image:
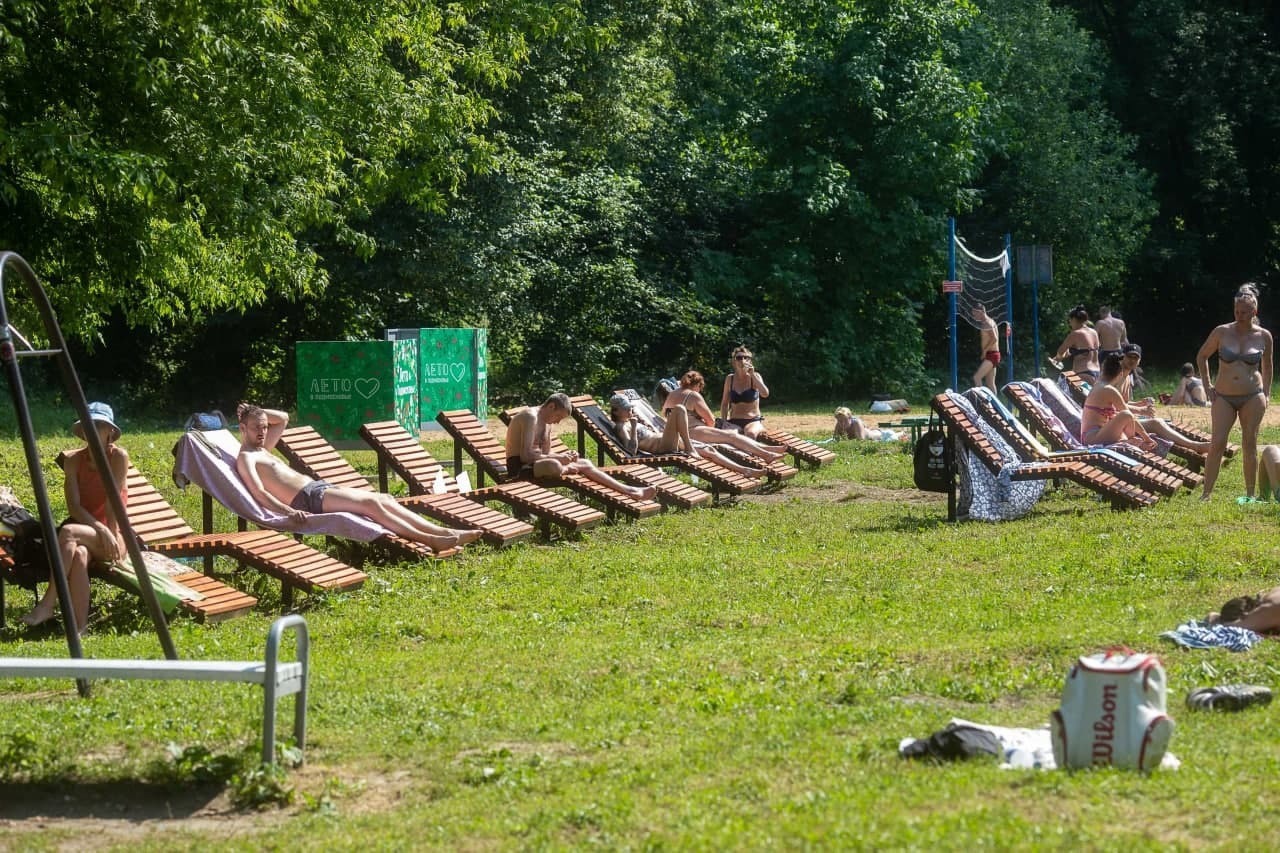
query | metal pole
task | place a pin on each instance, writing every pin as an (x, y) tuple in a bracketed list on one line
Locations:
[(1035, 310), (951, 303), (1008, 296)]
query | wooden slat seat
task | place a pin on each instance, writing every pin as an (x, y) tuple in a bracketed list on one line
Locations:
[(472, 437), (400, 451), (307, 451), (611, 499), (1041, 419), (1029, 449), (293, 563), (1120, 493), (593, 421), (670, 491), (800, 449), (775, 471), (1080, 390)]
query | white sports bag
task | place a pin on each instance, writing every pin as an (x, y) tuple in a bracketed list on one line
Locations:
[(1113, 712)]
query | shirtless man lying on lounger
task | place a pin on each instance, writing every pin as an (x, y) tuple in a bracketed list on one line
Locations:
[(528, 440), (282, 489)]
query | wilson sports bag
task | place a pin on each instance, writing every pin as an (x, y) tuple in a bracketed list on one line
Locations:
[(1112, 713)]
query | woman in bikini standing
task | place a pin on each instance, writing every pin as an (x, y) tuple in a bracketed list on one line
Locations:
[(1081, 345), (1105, 418), (743, 390), (1242, 388)]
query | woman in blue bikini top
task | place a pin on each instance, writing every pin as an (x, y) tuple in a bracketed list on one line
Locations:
[(743, 390), (1242, 388)]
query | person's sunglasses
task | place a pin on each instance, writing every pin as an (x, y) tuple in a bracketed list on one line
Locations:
[(743, 357)]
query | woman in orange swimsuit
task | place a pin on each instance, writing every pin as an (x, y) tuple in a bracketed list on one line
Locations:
[(1242, 389), (92, 532), (1106, 419)]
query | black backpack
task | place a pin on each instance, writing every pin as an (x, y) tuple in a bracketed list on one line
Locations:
[(30, 560), (933, 471)]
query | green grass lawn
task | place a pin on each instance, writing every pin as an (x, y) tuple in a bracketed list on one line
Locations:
[(732, 677)]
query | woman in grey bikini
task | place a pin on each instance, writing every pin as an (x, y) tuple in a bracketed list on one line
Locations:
[(1242, 388)]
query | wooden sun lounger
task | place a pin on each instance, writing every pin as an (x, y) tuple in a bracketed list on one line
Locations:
[(402, 548), (308, 452), (1080, 390), (775, 471), (295, 564), (961, 427), (670, 491), (613, 501), (153, 520), (1024, 444), (1041, 420), (525, 498), (593, 421), (800, 449)]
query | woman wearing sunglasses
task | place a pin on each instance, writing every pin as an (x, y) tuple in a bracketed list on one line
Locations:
[(743, 390)]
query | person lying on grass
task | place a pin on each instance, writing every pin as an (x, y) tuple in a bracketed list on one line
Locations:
[(636, 437), (529, 449), (1260, 613), (92, 533), (849, 425), (280, 488)]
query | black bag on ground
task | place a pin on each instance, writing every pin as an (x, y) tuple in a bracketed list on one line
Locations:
[(932, 473), (30, 560)]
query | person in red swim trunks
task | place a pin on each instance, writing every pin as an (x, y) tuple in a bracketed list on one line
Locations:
[(989, 344)]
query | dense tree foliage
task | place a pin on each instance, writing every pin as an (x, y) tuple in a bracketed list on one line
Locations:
[(1198, 83), (618, 190)]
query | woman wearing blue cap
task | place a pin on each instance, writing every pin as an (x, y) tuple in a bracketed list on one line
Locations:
[(92, 532)]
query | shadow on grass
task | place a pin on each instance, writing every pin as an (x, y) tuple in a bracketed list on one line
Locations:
[(920, 524), (115, 800)]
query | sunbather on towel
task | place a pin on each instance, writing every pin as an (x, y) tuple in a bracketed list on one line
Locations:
[(529, 455), (284, 490), (1260, 613), (636, 437), (92, 532)]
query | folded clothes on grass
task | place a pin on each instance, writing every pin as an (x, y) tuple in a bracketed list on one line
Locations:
[(1202, 635)]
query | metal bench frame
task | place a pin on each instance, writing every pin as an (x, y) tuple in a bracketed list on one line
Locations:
[(277, 679)]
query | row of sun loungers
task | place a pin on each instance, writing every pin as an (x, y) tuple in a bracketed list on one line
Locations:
[(275, 549), (1011, 448)]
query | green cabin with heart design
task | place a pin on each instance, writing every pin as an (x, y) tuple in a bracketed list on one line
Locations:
[(343, 384), (453, 371)]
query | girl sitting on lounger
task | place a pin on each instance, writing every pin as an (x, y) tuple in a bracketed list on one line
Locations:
[(636, 437), (702, 422), (1105, 418), (92, 532)]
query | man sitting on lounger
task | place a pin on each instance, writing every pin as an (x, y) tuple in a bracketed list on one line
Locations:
[(282, 489), (528, 454)]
